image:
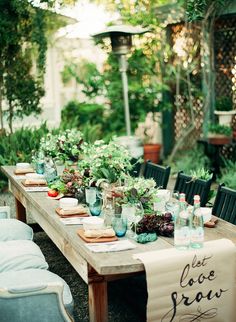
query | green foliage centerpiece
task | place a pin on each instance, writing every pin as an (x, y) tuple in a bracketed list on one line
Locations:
[(105, 163), (65, 146)]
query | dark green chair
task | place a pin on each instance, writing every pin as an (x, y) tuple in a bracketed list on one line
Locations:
[(157, 172), (190, 186), (224, 205)]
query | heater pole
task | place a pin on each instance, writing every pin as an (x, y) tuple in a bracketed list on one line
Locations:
[(123, 70)]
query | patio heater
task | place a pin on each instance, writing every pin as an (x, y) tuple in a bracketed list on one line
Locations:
[(121, 42)]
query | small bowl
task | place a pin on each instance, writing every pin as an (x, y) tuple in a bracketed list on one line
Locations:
[(23, 165), (34, 176), (93, 223), (68, 202), (206, 213)]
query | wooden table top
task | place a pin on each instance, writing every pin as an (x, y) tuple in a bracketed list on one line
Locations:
[(65, 237)]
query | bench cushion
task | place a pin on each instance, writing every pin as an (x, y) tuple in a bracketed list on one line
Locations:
[(20, 254), (13, 229)]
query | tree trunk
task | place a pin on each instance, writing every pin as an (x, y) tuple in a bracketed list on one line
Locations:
[(1, 110), (10, 116)]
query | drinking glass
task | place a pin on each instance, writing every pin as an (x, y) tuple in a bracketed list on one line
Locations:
[(139, 212), (128, 211), (172, 205), (90, 195), (94, 200), (119, 224)]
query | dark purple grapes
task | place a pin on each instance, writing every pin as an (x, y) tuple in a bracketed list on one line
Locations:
[(160, 224)]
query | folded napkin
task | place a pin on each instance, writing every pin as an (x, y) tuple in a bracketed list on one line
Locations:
[(23, 171), (110, 246), (79, 210), (72, 220), (97, 233), (35, 182), (36, 188)]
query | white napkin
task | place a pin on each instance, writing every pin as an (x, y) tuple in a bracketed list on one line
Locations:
[(19, 177), (115, 246), (36, 189), (72, 221)]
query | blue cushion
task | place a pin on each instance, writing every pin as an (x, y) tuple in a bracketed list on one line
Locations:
[(5, 212), (20, 254), (36, 277), (13, 229)]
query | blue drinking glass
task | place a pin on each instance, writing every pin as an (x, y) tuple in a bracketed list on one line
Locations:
[(95, 208), (119, 224)]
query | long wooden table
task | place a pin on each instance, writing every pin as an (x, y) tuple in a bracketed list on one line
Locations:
[(96, 269)]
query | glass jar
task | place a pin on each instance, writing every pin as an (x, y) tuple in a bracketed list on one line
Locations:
[(50, 170), (108, 211)]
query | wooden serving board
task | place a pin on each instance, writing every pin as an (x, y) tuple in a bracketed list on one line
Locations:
[(33, 185), (22, 172), (80, 232), (58, 211)]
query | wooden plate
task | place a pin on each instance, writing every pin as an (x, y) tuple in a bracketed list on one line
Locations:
[(71, 215), (22, 172), (80, 232), (33, 185)]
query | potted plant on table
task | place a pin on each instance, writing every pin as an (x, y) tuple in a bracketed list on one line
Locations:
[(224, 110)]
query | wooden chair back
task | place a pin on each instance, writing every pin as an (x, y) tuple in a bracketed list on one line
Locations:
[(136, 170), (157, 172), (225, 204), (190, 186)]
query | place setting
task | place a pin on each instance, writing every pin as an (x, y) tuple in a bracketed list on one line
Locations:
[(70, 211), (99, 238)]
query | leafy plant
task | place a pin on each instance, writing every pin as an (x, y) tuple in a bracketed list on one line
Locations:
[(104, 162), (18, 146), (140, 190), (77, 114), (228, 174), (68, 183), (190, 160), (197, 9), (65, 146), (224, 103), (201, 173), (21, 32), (220, 129)]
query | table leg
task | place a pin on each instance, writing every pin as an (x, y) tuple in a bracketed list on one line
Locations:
[(20, 211), (97, 292)]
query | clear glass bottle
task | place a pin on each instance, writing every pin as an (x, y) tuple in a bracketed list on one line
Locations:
[(197, 225), (108, 211), (182, 225)]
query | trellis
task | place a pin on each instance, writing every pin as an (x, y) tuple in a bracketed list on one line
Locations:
[(225, 72)]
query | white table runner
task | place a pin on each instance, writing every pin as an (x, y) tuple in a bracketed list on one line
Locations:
[(194, 285)]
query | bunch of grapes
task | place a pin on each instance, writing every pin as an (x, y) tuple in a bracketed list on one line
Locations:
[(160, 224)]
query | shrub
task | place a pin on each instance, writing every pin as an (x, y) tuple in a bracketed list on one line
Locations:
[(18, 147), (228, 176), (76, 114), (190, 160)]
